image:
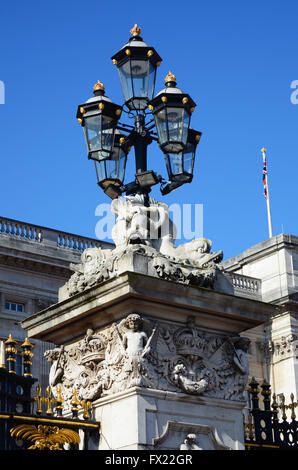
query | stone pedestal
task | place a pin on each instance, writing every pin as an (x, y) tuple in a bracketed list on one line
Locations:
[(158, 420), (178, 377)]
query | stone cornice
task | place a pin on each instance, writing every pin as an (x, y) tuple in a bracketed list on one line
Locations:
[(170, 299), (260, 250), (39, 266)]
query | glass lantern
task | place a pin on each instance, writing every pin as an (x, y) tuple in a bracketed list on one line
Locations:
[(110, 170), (99, 117), (137, 63), (172, 111), (180, 165)]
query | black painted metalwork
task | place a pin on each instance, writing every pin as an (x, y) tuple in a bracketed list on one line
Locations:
[(18, 407), (264, 428), (170, 126)]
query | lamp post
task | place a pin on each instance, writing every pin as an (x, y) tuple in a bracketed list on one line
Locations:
[(109, 141)]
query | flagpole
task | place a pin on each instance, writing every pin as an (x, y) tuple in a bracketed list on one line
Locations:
[(263, 150)]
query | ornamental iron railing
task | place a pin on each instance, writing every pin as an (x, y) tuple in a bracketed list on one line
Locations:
[(274, 425), (39, 422)]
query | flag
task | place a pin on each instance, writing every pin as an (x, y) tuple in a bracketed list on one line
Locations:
[(264, 178)]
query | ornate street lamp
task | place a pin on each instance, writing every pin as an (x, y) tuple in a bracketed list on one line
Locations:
[(99, 117), (109, 141), (137, 63)]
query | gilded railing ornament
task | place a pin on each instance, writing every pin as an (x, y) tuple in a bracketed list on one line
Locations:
[(292, 406), (45, 437), (11, 352), (38, 400), (59, 402), (86, 405), (27, 355), (75, 403), (49, 401), (249, 428)]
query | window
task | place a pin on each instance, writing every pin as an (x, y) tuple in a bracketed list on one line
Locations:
[(14, 307)]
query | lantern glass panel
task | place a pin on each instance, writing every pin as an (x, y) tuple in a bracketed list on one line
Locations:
[(161, 126), (99, 133), (178, 123), (176, 163), (137, 79), (188, 158), (125, 79), (111, 169)]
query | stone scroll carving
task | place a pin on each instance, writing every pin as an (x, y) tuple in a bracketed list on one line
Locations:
[(148, 231), (136, 352)]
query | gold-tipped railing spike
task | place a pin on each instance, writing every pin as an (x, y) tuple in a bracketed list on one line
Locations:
[(75, 403), (11, 352), (292, 407), (39, 400), (86, 405), (254, 392), (283, 406), (266, 393), (59, 402), (27, 355), (49, 401), (274, 407)]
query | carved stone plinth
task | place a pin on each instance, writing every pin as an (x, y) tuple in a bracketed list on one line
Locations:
[(136, 336)]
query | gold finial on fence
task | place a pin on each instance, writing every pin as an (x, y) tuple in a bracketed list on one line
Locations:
[(49, 401), (75, 403), (292, 406), (39, 400), (249, 428), (283, 406), (86, 405), (59, 401)]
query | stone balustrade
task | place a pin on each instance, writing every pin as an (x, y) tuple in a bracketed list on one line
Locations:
[(42, 235), (245, 285)]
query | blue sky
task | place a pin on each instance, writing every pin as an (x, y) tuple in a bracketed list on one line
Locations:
[(236, 59)]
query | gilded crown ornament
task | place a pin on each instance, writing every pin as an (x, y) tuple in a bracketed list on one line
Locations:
[(170, 77), (98, 86), (135, 31)]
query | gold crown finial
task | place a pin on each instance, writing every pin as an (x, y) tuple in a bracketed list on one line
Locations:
[(263, 150), (98, 86), (170, 77), (135, 31)]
